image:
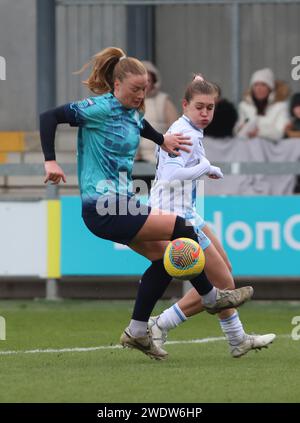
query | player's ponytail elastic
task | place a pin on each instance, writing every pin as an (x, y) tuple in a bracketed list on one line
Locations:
[(101, 79), (200, 85)]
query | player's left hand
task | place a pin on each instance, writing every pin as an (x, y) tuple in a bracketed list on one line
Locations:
[(215, 173), (175, 142), (253, 133)]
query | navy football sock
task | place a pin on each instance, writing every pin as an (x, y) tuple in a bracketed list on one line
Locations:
[(152, 286), (182, 229), (202, 284)]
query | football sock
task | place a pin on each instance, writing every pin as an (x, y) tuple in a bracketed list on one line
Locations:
[(183, 229), (137, 328), (233, 329), (210, 297), (171, 317), (152, 286), (204, 287)]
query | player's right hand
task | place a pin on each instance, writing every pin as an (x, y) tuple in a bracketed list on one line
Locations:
[(54, 173)]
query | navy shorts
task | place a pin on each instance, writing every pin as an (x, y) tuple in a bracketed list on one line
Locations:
[(117, 219)]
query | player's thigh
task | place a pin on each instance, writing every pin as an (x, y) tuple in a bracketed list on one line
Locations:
[(152, 250), (157, 227), (216, 269)]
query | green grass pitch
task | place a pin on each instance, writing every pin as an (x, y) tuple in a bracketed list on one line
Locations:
[(193, 373)]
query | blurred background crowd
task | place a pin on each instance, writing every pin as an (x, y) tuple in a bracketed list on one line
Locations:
[(249, 49)]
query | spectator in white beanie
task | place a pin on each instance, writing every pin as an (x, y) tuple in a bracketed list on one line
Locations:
[(265, 76), (263, 112)]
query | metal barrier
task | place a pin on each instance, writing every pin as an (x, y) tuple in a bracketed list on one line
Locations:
[(145, 170), (148, 169)]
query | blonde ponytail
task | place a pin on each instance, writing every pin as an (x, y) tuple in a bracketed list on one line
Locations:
[(107, 66)]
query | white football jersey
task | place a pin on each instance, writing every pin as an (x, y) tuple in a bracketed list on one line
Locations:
[(178, 196)]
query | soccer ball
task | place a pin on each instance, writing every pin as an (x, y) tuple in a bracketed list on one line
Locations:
[(184, 259)]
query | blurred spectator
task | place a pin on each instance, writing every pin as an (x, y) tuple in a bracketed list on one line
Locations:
[(160, 112), (224, 120), (263, 112), (293, 127)]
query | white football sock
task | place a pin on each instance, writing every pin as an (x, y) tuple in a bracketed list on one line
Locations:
[(210, 298), (171, 318), (233, 329), (138, 328)]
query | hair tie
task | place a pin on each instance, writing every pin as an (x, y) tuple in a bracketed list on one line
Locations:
[(198, 77), (122, 58)]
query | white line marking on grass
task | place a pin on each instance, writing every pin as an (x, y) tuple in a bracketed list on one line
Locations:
[(197, 341), (114, 347), (62, 350)]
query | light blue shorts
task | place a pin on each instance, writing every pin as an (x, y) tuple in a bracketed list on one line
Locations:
[(198, 223), (203, 240), (196, 220)]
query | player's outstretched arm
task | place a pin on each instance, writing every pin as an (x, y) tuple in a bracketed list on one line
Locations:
[(172, 172)]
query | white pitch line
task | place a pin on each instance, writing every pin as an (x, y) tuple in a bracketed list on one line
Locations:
[(62, 350), (114, 347), (197, 341)]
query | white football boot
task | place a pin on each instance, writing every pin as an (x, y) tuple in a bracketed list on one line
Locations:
[(144, 344), (251, 342), (159, 335)]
